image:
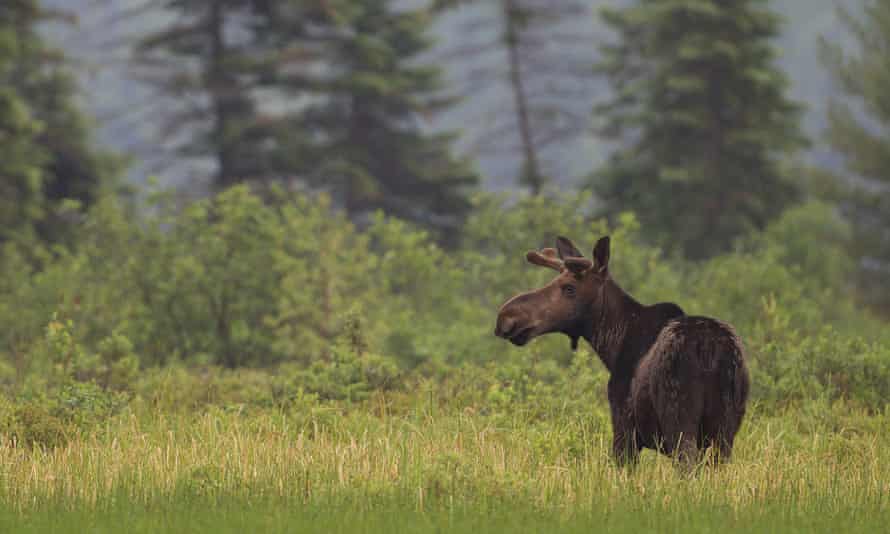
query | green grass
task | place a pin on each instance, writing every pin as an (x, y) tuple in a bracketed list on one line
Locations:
[(822, 469), (394, 515)]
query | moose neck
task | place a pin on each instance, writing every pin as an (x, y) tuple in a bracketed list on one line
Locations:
[(608, 327)]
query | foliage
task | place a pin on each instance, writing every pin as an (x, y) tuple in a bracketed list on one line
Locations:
[(215, 286), (22, 203), (365, 371), (857, 132), (327, 95), (374, 151), (701, 118), (825, 365), (291, 287), (30, 424), (348, 375), (49, 167), (74, 392), (205, 61), (325, 268)]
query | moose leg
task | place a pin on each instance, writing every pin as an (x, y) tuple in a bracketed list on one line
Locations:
[(625, 448), (680, 422), (681, 443), (723, 448), (687, 452), (719, 427), (723, 439)]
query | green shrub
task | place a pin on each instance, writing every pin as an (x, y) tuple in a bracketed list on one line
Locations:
[(826, 365), (293, 299), (349, 372), (85, 405), (32, 424)]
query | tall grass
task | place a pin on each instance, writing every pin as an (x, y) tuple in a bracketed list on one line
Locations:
[(796, 468)]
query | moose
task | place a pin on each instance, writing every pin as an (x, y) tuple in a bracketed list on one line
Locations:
[(678, 383)]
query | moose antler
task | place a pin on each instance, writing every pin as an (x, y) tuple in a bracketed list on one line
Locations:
[(545, 258)]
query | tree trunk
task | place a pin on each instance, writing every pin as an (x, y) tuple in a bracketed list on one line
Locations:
[(531, 169), (220, 93)]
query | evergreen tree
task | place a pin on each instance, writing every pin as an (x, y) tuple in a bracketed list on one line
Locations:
[(207, 62), (324, 93), (702, 119), (374, 95), (22, 204), (859, 130), (46, 156)]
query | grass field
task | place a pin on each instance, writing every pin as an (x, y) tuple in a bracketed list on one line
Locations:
[(274, 471), (281, 516)]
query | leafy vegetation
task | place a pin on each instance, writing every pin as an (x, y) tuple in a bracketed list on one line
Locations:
[(270, 352), (203, 62), (50, 170), (857, 131), (374, 150), (291, 285), (701, 112)]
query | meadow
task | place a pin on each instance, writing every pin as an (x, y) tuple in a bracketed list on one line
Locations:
[(252, 364), (432, 468)]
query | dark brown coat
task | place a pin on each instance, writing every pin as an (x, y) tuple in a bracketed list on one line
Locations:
[(678, 383)]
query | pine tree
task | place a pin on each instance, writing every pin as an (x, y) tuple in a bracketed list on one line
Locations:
[(206, 62), (22, 204), (46, 155), (374, 96), (702, 120), (859, 130)]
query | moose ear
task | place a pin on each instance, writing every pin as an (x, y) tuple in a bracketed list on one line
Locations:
[(578, 266), (567, 249), (601, 255)]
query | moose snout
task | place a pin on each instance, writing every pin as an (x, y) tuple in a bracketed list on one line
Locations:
[(509, 316), (515, 321), (514, 325)]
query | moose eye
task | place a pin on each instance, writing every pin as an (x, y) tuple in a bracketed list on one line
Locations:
[(568, 290)]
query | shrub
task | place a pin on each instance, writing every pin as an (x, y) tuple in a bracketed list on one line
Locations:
[(33, 425), (293, 299), (349, 372), (826, 365)]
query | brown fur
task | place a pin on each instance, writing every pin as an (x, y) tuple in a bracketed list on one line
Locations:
[(678, 383)]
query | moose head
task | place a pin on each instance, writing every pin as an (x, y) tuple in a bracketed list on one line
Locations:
[(568, 304)]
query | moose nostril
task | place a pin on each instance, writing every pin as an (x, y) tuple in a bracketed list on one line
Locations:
[(504, 327)]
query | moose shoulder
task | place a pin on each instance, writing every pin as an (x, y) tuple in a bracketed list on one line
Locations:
[(678, 383)]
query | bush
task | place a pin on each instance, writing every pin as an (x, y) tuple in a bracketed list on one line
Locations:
[(349, 372), (300, 301), (33, 425), (826, 365)]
